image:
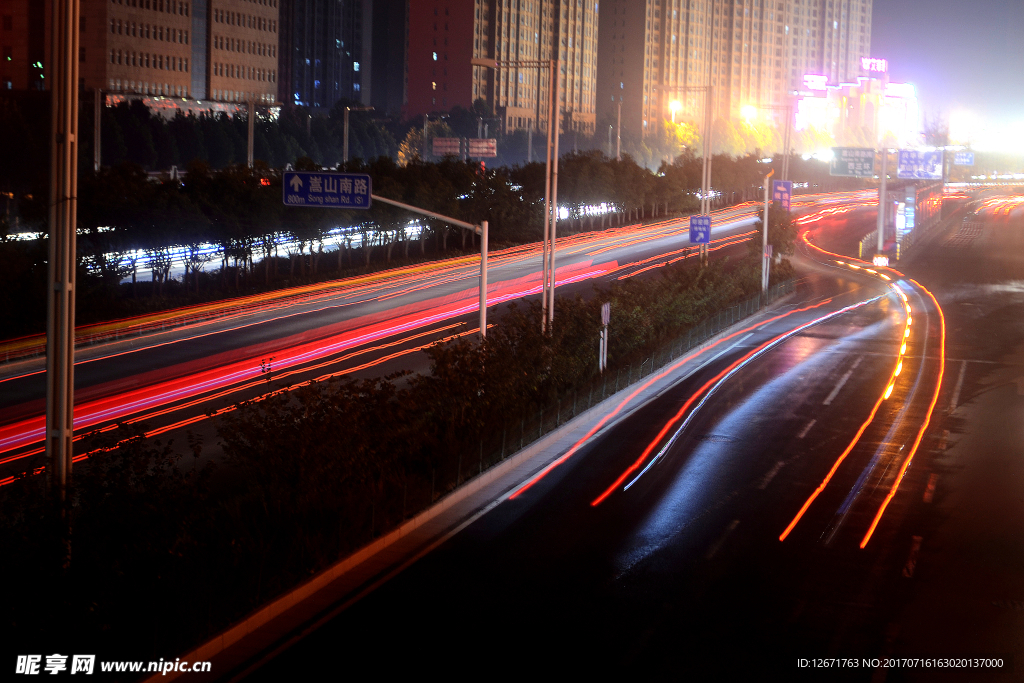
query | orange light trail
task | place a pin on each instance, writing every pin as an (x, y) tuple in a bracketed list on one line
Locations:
[(924, 426), (890, 384), (618, 408), (711, 382)]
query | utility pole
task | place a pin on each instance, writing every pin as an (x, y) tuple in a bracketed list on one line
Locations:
[(550, 173), (881, 201), (97, 114), (251, 129), (618, 133), (60, 295), (529, 143), (764, 241)]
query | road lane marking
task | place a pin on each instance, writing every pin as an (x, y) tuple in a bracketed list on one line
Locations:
[(924, 425), (718, 544), (915, 549), (807, 428), (842, 382), (710, 387), (771, 474), (666, 370), (929, 490), (959, 386)]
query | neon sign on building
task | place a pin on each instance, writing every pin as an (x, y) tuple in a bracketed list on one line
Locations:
[(874, 65)]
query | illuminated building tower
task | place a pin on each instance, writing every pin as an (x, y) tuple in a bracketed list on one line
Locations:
[(753, 52), (322, 52), (828, 37), (446, 34), (651, 51), (200, 49), (242, 43), (23, 46)]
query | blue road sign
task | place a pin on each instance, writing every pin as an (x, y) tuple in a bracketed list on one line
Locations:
[(919, 165), (700, 229), (963, 159), (782, 192), (327, 190)]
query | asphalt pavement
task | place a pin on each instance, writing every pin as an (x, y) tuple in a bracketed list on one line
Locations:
[(655, 550)]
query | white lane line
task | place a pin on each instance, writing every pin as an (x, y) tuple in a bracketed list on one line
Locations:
[(771, 475), (700, 367), (807, 428), (718, 544), (842, 381), (959, 386)]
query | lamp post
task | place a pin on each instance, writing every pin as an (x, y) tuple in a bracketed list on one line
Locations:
[(705, 181), (550, 174), (60, 295), (344, 155), (764, 240), (786, 135)]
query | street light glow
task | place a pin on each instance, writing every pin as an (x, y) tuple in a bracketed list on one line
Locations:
[(749, 112)]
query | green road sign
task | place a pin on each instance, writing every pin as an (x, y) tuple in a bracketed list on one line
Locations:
[(854, 162)]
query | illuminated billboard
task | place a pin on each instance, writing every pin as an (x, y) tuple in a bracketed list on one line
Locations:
[(815, 82), (874, 65)]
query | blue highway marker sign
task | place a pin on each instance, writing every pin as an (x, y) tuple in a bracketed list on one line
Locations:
[(327, 190), (963, 159), (782, 192), (700, 229), (919, 165)]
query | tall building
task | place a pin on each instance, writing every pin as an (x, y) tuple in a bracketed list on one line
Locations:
[(23, 46), (322, 51), (657, 55), (242, 50), (389, 46), (445, 35), (224, 50), (829, 38)]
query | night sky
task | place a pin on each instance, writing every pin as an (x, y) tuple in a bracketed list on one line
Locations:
[(961, 54)]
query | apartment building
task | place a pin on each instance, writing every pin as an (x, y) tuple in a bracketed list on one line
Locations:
[(445, 35), (658, 57), (325, 53), (224, 50), (242, 50)]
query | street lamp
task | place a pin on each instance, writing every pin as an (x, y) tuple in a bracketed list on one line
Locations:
[(748, 112), (705, 182), (787, 109), (674, 106), (550, 174)]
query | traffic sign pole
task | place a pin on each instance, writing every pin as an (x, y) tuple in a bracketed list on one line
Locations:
[(764, 240), (881, 201)]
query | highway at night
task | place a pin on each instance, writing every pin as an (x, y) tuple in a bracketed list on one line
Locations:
[(367, 326), (807, 488)]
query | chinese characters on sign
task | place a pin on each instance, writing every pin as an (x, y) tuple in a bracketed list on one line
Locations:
[(782, 192), (963, 159), (855, 162), (700, 229), (327, 190), (919, 165), (873, 64)]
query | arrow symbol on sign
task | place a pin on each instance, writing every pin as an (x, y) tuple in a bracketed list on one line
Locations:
[(296, 183)]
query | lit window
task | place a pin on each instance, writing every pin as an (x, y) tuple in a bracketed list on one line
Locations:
[(355, 66), (435, 56)]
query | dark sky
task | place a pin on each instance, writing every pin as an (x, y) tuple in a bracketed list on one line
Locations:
[(962, 54)]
